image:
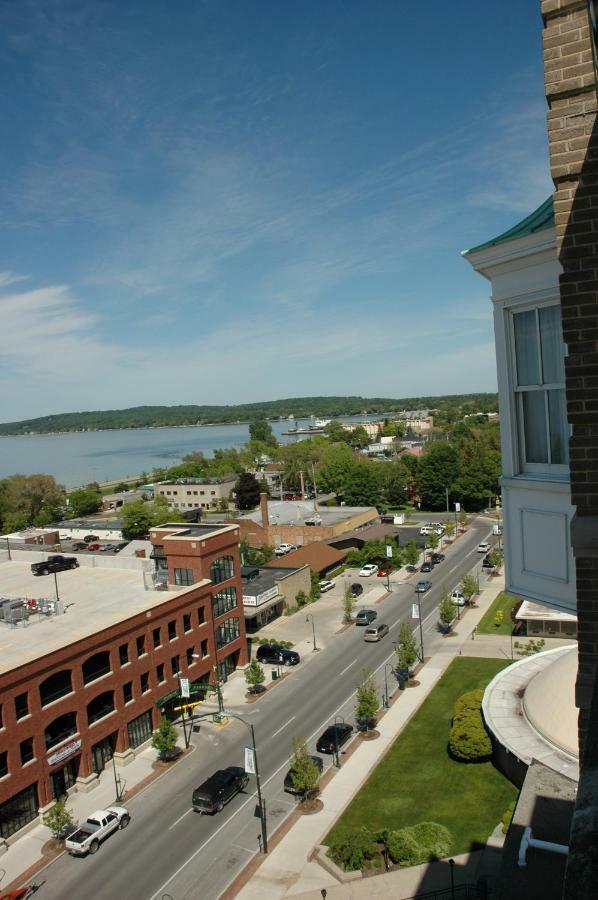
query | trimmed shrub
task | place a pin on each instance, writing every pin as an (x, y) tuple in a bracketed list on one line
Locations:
[(419, 844), (472, 700), (469, 741), (353, 849)]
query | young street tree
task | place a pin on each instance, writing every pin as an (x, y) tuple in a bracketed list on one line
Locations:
[(58, 817), (446, 610), (406, 647), (449, 528), (469, 586), (306, 775), (411, 554), (433, 541), (348, 603), (254, 676), (165, 737), (367, 701), (462, 518)]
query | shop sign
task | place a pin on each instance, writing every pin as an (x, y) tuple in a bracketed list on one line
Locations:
[(249, 600), (64, 752)]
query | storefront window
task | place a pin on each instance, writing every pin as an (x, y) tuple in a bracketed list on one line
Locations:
[(18, 811), (140, 730)]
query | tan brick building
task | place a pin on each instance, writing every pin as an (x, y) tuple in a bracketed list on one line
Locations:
[(195, 493)]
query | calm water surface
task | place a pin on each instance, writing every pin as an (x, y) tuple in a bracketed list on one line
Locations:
[(76, 459)]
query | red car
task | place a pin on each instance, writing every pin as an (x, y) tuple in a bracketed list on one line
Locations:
[(93, 546), (383, 571)]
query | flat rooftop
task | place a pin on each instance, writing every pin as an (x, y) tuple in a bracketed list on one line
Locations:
[(266, 579), (180, 530), (296, 512), (90, 599)]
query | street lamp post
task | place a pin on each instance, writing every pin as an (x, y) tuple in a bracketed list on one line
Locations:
[(386, 702), (56, 587), (183, 706), (261, 804), (117, 783), (421, 630), (313, 628), (337, 759)]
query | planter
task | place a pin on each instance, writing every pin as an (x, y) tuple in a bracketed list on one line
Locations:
[(310, 807), (371, 735)]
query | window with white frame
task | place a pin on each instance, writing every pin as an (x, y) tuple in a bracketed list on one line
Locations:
[(539, 384)]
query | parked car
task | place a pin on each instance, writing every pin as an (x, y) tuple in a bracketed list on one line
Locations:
[(365, 616), (422, 586), (90, 538), (483, 547), (104, 548), (218, 789), (427, 567), (55, 563), (277, 655), (89, 835), (356, 590), (368, 569), (93, 547), (497, 529), (64, 536), (326, 586), (334, 737), (432, 528), (437, 558), (486, 563), (284, 548), (458, 598), (120, 546), (79, 545), (375, 633), (384, 570), (288, 778)]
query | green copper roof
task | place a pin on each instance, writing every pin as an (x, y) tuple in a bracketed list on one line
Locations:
[(541, 218)]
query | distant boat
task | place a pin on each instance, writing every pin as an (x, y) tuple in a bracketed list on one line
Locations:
[(322, 423)]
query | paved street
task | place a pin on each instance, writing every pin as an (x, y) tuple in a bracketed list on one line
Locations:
[(168, 849)]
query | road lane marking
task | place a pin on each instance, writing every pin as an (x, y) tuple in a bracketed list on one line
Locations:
[(180, 818), (346, 669), (282, 727)]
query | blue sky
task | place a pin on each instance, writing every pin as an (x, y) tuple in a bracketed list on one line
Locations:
[(222, 202)]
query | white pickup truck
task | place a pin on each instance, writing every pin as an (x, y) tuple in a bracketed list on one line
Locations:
[(88, 837)]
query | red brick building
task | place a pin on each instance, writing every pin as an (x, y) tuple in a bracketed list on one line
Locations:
[(82, 686)]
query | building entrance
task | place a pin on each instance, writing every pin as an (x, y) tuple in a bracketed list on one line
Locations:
[(102, 753), (64, 778)]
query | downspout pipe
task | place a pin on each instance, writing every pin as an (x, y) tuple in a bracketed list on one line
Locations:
[(528, 841)]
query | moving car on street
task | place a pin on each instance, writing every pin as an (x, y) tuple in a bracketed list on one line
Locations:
[(277, 655), (422, 586), (483, 547), (365, 616), (368, 569), (426, 567), (88, 837), (437, 558), (326, 586), (218, 789), (334, 737), (375, 633)]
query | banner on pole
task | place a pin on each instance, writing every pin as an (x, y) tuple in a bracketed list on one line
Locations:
[(389, 551), (249, 761), (415, 611), (185, 692), (457, 507)]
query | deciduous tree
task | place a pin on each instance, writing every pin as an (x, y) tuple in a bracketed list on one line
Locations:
[(247, 491), (366, 701), (254, 675), (165, 737), (306, 774)]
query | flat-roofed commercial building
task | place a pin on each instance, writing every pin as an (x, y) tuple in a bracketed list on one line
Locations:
[(82, 677), (196, 493)]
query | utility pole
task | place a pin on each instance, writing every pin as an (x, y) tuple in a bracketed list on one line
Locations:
[(447, 500), (302, 483), (313, 475)]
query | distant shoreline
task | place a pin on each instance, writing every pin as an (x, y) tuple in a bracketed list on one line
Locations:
[(29, 434)]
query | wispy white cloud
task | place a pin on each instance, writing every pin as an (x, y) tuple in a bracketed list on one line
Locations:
[(7, 278)]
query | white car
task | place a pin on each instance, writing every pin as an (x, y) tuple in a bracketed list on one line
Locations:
[(88, 837), (483, 547), (284, 548), (432, 528), (458, 597), (326, 586), (368, 569)]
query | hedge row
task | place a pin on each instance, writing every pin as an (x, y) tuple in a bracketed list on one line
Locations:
[(469, 741), (410, 846), (258, 640)]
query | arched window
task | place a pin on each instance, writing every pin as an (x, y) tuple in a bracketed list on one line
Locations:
[(96, 666), (224, 600), (100, 706), (60, 729), (57, 685), (221, 569)]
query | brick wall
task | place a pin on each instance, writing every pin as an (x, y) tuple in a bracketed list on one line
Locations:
[(573, 142)]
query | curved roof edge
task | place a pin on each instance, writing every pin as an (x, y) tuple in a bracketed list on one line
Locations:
[(541, 218)]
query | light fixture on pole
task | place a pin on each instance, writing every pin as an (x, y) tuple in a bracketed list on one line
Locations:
[(416, 613), (184, 694), (313, 628), (386, 699)]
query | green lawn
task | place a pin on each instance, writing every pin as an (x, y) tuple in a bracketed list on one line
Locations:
[(504, 602), (417, 781)]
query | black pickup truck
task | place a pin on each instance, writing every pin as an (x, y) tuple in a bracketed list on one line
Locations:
[(219, 788), (54, 564)]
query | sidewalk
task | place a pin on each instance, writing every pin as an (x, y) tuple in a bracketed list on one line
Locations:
[(287, 870), (27, 851)]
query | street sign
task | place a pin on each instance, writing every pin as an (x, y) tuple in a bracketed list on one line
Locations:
[(414, 611), (457, 507), (249, 761), (185, 692), (389, 551)]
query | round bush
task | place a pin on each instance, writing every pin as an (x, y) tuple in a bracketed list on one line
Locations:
[(436, 838), (472, 700), (403, 848), (353, 849), (469, 740)]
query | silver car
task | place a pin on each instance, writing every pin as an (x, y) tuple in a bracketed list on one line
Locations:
[(375, 632)]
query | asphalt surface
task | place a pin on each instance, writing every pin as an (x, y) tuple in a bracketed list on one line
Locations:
[(168, 850)]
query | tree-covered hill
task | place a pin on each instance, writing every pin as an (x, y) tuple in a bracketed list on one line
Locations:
[(299, 407)]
